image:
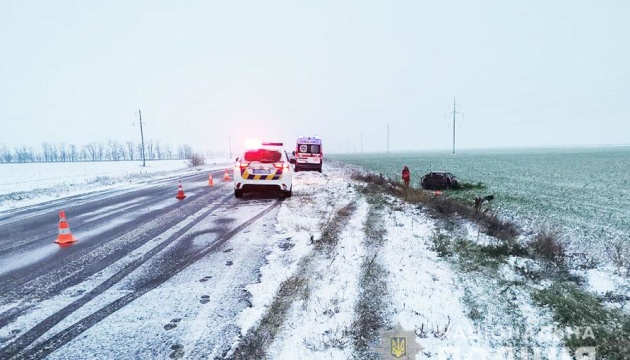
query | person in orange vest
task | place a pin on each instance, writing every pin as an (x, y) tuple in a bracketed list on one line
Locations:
[(406, 175)]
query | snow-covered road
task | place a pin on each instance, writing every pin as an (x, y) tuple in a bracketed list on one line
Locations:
[(321, 275)]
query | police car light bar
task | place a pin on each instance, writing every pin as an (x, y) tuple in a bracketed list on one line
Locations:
[(272, 144)]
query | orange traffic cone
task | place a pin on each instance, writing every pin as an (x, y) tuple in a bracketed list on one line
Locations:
[(180, 191), (226, 175), (65, 236), (210, 181)]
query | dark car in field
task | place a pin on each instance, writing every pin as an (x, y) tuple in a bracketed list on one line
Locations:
[(439, 180)]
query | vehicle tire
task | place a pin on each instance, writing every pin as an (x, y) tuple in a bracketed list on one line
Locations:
[(289, 193), (238, 193), (297, 168), (319, 169)]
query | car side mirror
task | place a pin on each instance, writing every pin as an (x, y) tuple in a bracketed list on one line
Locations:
[(292, 161), (293, 153), (237, 158)]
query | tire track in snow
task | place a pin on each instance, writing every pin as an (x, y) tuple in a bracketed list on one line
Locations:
[(320, 327), (16, 349), (370, 309), (255, 344), (48, 280)]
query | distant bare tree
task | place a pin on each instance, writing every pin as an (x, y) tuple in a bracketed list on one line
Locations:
[(184, 152), (19, 155), (47, 151), (112, 151), (131, 150), (122, 151), (63, 151), (168, 152), (84, 154), (23, 154), (100, 151), (141, 152), (150, 150), (72, 152), (6, 155), (53, 153), (91, 150), (158, 150), (35, 155), (95, 151), (31, 154)]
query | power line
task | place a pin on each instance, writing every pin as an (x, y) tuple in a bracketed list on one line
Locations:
[(142, 137), (388, 138), (454, 112), (362, 143)]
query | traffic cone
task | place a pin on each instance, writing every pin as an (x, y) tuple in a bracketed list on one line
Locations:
[(180, 191), (210, 181), (64, 237), (226, 175)]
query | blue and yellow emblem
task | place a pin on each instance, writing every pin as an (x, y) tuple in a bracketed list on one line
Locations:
[(398, 343), (398, 346)]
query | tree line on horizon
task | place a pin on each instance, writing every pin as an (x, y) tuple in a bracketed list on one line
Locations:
[(113, 150)]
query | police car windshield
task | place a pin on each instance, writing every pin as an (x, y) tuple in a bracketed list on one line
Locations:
[(308, 148), (263, 155)]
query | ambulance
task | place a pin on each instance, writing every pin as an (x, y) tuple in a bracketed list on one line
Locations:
[(308, 153)]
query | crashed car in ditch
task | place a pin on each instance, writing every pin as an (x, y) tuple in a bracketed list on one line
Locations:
[(439, 180)]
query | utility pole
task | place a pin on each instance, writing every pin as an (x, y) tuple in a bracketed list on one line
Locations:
[(361, 143), (142, 137), (388, 138), (455, 112)]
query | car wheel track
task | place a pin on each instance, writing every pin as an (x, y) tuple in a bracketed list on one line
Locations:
[(63, 337), (17, 348), (31, 279)]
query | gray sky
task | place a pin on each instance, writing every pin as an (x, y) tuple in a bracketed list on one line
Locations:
[(527, 73)]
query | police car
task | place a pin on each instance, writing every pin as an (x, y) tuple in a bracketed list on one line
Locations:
[(265, 167)]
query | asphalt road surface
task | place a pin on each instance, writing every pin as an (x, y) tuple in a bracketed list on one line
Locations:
[(140, 236)]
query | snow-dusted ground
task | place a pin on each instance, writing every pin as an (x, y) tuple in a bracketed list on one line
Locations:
[(425, 296), (207, 309), (26, 184)]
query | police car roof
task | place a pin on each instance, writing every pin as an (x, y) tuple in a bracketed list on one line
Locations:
[(275, 146)]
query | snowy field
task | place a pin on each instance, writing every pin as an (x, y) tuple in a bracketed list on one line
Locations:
[(583, 193), (29, 183)]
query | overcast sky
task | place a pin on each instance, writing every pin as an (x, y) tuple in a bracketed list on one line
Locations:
[(526, 73)]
